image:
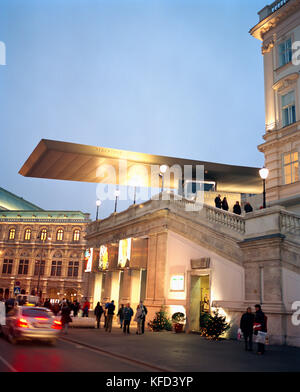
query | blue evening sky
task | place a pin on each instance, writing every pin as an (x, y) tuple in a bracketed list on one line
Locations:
[(170, 77)]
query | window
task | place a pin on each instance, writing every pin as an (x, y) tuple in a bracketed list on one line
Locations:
[(76, 235), (59, 235), (288, 109), (7, 266), (23, 267), (12, 234), (291, 167), (73, 268), (177, 283), (56, 268), (285, 52), (43, 235), (27, 234), (39, 266)]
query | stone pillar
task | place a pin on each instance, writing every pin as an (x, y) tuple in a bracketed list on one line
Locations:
[(263, 281), (156, 265)]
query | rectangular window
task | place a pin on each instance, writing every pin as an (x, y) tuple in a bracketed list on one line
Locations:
[(7, 266), (23, 267), (56, 268), (39, 265), (288, 109), (291, 167), (285, 52), (73, 268), (177, 283)]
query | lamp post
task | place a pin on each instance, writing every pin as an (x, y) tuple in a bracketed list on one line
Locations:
[(264, 172), (98, 204), (40, 261), (162, 169), (117, 194)]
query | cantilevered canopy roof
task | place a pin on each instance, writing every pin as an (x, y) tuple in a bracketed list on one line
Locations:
[(76, 162)]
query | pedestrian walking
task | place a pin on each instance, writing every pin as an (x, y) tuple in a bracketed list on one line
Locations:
[(65, 316), (75, 307), (260, 324), (110, 314), (128, 313), (138, 319), (121, 315), (144, 314), (98, 313), (237, 208), (248, 207), (86, 308), (218, 202), (225, 206), (246, 325)]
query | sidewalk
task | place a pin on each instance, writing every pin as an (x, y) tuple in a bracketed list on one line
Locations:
[(188, 352)]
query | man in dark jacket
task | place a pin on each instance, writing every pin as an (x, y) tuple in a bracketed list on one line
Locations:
[(237, 208), (144, 313), (246, 326), (98, 313), (128, 313), (110, 314), (260, 324), (218, 201)]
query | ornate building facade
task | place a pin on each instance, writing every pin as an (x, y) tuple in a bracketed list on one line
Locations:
[(279, 31), (40, 251)]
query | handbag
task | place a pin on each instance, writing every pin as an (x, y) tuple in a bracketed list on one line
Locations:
[(239, 334), (261, 337)]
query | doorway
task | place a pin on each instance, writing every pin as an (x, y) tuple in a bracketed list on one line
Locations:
[(199, 300)]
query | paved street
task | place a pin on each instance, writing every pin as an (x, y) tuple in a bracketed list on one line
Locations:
[(97, 351)]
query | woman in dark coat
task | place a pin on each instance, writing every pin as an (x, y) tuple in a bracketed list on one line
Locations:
[(65, 316), (98, 313), (237, 208), (225, 204)]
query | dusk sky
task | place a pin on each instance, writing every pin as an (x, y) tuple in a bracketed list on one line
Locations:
[(181, 78)]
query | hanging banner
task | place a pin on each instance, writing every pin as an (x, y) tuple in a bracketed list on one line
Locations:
[(103, 257), (124, 252), (88, 259)]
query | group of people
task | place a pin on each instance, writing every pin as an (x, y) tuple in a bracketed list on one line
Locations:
[(125, 314), (223, 204), (251, 324)]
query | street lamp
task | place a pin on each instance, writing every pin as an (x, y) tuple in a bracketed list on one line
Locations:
[(117, 194), (43, 239), (162, 170), (264, 172), (98, 204)]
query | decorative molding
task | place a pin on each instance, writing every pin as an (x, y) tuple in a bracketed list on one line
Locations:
[(285, 82), (202, 263)]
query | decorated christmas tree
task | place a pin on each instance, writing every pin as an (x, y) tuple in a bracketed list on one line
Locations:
[(161, 321)]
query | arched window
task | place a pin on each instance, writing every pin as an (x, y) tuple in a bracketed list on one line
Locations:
[(27, 234), (43, 235), (59, 235), (76, 235), (12, 234)]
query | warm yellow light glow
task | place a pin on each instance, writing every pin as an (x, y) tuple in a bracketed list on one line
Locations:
[(103, 257)]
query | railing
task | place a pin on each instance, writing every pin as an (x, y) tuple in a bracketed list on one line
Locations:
[(289, 223), (231, 221)]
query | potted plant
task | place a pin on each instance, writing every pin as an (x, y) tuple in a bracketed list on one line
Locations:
[(178, 320)]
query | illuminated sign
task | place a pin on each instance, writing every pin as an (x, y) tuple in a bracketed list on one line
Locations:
[(124, 252), (177, 283), (103, 257), (88, 259)]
